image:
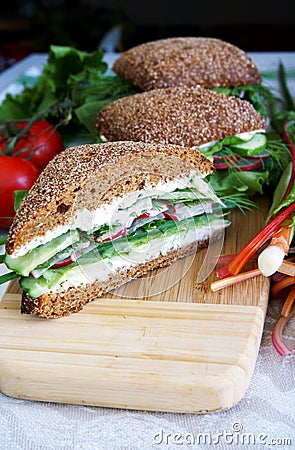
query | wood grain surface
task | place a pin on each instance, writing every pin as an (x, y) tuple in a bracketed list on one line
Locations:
[(161, 343)]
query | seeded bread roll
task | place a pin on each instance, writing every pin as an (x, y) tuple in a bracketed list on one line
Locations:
[(186, 61), (179, 116)]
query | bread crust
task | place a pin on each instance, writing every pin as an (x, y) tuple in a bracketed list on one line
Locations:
[(89, 175), (64, 303), (178, 115), (186, 61)]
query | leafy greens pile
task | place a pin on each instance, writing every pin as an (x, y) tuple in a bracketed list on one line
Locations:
[(71, 90)]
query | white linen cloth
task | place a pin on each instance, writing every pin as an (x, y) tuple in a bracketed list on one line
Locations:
[(263, 419)]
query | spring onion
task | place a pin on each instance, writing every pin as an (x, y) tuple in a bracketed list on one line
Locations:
[(247, 252), (271, 258)]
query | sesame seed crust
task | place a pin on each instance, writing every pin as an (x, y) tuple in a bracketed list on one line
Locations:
[(186, 61), (179, 116), (89, 175)]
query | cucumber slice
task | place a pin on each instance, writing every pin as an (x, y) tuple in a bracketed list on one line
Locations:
[(23, 265), (57, 276), (34, 287), (38, 286), (91, 264), (252, 147)]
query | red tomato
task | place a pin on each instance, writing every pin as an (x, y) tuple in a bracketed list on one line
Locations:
[(40, 144), (15, 174)]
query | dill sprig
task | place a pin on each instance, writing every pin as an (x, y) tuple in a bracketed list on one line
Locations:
[(238, 201)]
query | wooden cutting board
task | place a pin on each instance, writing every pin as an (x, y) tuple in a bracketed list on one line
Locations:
[(162, 343)]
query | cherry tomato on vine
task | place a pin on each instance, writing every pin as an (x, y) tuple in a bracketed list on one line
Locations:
[(15, 174), (39, 145)]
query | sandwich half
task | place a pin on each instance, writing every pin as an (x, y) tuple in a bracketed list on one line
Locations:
[(178, 115), (226, 129), (101, 215), (186, 61)]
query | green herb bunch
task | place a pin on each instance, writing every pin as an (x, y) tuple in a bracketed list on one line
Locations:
[(73, 87)]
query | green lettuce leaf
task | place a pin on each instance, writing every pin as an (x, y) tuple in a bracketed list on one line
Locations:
[(71, 90), (232, 182), (259, 95)]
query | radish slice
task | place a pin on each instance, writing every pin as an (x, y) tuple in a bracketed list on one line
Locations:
[(171, 216), (63, 263), (110, 237), (262, 155), (222, 158), (242, 164)]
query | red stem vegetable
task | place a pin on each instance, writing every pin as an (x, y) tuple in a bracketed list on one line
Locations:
[(277, 336), (235, 266), (278, 330), (292, 150)]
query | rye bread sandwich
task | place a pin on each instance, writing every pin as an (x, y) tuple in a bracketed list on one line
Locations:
[(101, 215), (226, 129), (178, 115), (186, 61)]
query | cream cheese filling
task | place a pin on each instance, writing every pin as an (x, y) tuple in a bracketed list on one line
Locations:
[(120, 209), (104, 269), (245, 136)]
